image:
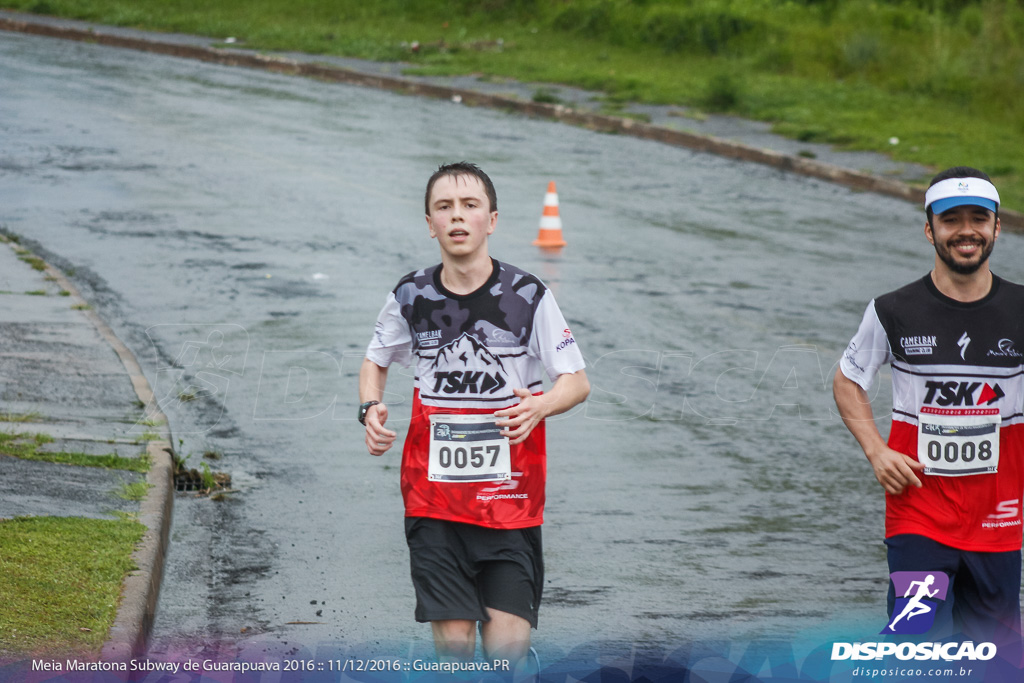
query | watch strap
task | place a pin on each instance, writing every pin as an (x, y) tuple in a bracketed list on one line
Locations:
[(363, 408)]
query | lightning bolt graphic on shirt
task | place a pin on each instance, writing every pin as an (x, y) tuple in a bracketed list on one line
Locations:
[(964, 341)]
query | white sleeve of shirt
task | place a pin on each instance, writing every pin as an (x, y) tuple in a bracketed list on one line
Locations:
[(868, 351), (552, 341), (392, 340)]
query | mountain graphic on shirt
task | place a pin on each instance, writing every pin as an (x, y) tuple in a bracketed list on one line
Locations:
[(465, 366), (467, 352)]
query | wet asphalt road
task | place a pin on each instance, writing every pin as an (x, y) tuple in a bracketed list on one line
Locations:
[(240, 230)]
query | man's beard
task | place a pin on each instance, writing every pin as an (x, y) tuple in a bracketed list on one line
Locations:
[(959, 267)]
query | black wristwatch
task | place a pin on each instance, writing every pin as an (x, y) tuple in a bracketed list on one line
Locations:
[(363, 408)]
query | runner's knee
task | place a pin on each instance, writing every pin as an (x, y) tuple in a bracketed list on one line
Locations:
[(454, 634), (506, 636)]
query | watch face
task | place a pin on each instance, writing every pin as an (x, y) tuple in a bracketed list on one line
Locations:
[(364, 408)]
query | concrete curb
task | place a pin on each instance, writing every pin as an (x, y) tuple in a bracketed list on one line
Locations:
[(141, 589), (855, 180)]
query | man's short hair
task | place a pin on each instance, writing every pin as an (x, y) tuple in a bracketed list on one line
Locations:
[(458, 169), (957, 172)]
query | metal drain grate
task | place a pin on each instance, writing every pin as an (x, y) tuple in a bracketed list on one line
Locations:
[(192, 480)]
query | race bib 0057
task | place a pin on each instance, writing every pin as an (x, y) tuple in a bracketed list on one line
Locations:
[(957, 442), (468, 448)]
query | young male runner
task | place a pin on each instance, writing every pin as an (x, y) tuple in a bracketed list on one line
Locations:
[(481, 333), (952, 469)]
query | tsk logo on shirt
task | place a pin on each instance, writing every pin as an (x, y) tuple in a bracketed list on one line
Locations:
[(918, 595), (918, 346), (461, 382), (481, 373), (961, 393)]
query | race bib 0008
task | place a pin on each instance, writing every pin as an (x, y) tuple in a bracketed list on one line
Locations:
[(468, 448), (957, 442)]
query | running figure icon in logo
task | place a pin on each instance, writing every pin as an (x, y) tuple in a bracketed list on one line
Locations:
[(928, 588)]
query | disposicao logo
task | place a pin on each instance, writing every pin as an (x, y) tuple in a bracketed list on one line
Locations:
[(914, 612), (918, 596)]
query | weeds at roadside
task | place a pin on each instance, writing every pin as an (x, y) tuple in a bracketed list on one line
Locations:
[(20, 417), (146, 436), (28, 447), (209, 483), (615, 108), (34, 261), (546, 96), (134, 491), (202, 481)]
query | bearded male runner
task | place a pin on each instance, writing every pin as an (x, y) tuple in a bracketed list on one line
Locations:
[(953, 467)]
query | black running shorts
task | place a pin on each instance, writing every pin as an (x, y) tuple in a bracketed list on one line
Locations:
[(459, 569)]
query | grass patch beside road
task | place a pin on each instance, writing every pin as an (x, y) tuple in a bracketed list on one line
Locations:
[(60, 582), (135, 491), (941, 79), (19, 417), (26, 447)]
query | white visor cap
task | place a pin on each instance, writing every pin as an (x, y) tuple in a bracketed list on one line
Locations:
[(952, 192)]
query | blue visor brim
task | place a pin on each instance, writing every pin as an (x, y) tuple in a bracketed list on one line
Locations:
[(941, 205)]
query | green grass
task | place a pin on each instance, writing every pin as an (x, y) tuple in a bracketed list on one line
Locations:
[(147, 436), (20, 417), (546, 96), (27, 447), (60, 581), (942, 76), (134, 491), (34, 261)]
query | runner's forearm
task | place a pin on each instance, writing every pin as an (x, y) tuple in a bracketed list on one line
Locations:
[(568, 390), (855, 410), (372, 379)]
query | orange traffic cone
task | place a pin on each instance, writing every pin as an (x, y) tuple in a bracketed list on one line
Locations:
[(550, 233)]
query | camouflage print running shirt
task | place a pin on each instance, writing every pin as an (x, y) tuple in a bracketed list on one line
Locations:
[(471, 351)]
